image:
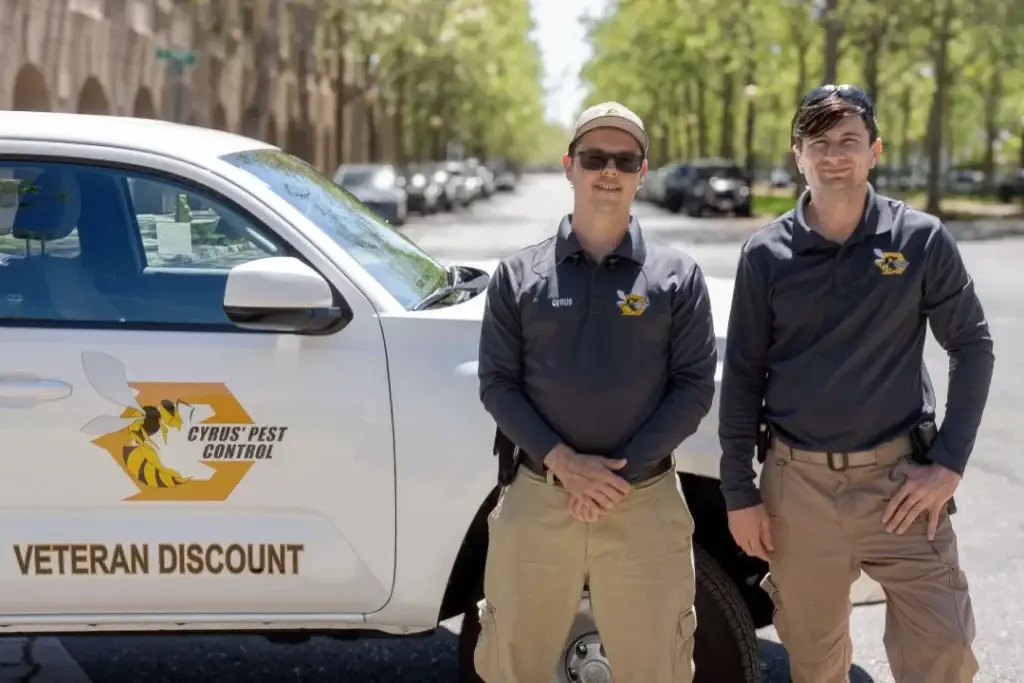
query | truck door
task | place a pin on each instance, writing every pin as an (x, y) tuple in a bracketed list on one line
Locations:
[(157, 459)]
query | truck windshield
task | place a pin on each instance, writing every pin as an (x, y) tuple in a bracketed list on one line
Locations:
[(402, 267)]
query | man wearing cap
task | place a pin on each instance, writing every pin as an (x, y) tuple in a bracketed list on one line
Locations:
[(597, 359)]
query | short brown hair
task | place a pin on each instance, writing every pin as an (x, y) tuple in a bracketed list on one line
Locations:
[(826, 106)]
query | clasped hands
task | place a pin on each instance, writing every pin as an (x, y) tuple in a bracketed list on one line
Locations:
[(590, 481)]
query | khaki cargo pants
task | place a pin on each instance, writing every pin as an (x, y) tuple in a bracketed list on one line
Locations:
[(637, 559), (827, 526)]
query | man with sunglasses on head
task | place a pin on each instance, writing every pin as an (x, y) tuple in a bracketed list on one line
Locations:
[(597, 359), (824, 374)]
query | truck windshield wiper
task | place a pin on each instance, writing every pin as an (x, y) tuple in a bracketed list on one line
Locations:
[(453, 285)]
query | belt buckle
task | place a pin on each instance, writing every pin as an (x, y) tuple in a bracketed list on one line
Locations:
[(845, 461)]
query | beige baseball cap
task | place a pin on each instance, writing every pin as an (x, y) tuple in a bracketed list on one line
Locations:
[(611, 115)]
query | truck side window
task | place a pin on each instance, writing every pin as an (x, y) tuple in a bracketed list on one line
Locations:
[(101, 246)]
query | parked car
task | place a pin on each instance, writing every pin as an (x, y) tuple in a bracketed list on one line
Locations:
[(473, 183), (654, 188), (505, 177), (376, 186), (1011, 187), (422, 189), (309, 456), (708, 185), (965, 181), (457, 193)]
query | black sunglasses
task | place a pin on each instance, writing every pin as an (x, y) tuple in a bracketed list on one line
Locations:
[(597, 160), (849, 93)]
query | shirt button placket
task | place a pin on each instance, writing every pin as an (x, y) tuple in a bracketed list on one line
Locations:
[(594, 292)]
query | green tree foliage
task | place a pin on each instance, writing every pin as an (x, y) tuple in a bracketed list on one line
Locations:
[(947, 75), (463, 71)]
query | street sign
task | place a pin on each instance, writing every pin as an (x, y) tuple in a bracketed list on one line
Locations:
[(177, 57)]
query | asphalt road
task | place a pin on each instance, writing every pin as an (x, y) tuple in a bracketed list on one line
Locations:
[(990, 524)]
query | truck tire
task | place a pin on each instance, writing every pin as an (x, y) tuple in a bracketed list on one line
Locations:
[(725, 650)]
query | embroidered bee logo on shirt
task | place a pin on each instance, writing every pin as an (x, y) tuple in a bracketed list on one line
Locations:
[(632, 304), (891, 262)]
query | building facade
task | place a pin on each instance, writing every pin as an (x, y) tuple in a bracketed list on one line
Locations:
[(235, 65)]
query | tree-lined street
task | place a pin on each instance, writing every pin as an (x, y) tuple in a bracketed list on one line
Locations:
[(724, 78), (404, 82), (991, 525), (431, 73)]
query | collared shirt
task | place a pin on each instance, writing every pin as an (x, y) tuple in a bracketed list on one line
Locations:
[(614, 358), (831, 338)]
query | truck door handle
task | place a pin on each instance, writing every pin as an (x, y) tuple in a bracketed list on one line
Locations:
[(21, 390)]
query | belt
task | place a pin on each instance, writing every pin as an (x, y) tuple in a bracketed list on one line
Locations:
[(883, 454), (660, 467)]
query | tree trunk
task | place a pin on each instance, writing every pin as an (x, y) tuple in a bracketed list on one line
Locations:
[(727, 148), (748, 141), (940, 57), (802, 49), (993, 95), (259, 108), (398, 118), (872, 56), (1020, 162), (833, 35), (340, 143), (872, 59), (905, 113), (306, 34), (691, 130), (702, 118)]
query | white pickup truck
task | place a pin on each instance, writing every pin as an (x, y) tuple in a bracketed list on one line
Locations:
[(236, 399)]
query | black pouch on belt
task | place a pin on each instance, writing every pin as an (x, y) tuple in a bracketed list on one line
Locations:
[(508, 457), (764, 441), (921, 438)]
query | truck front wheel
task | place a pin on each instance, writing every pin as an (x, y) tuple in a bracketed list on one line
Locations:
[(725, 650)]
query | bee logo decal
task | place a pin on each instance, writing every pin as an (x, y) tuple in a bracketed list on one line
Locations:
[(140, 457), (890, 262), (632, 304)]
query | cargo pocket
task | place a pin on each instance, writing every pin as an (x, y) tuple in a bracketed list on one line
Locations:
[(961, 616), (778, 612), (686, 627), (485, 657)]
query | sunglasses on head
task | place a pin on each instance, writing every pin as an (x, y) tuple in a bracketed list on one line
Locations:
[(848, 93), (597, 160)]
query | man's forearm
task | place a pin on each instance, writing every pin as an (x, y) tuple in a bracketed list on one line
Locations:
[(970, 375), (519, 420), (957, 320)]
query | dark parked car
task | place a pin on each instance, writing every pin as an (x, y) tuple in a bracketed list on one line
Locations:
[(423, 191), (1011, 188), (708, 185), (376, 186)]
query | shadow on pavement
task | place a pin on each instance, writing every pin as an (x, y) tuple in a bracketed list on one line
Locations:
[(167, 658), (775, 665)]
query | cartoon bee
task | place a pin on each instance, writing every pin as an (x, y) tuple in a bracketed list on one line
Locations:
[(107, 376), (631, 304), (890, 262)]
